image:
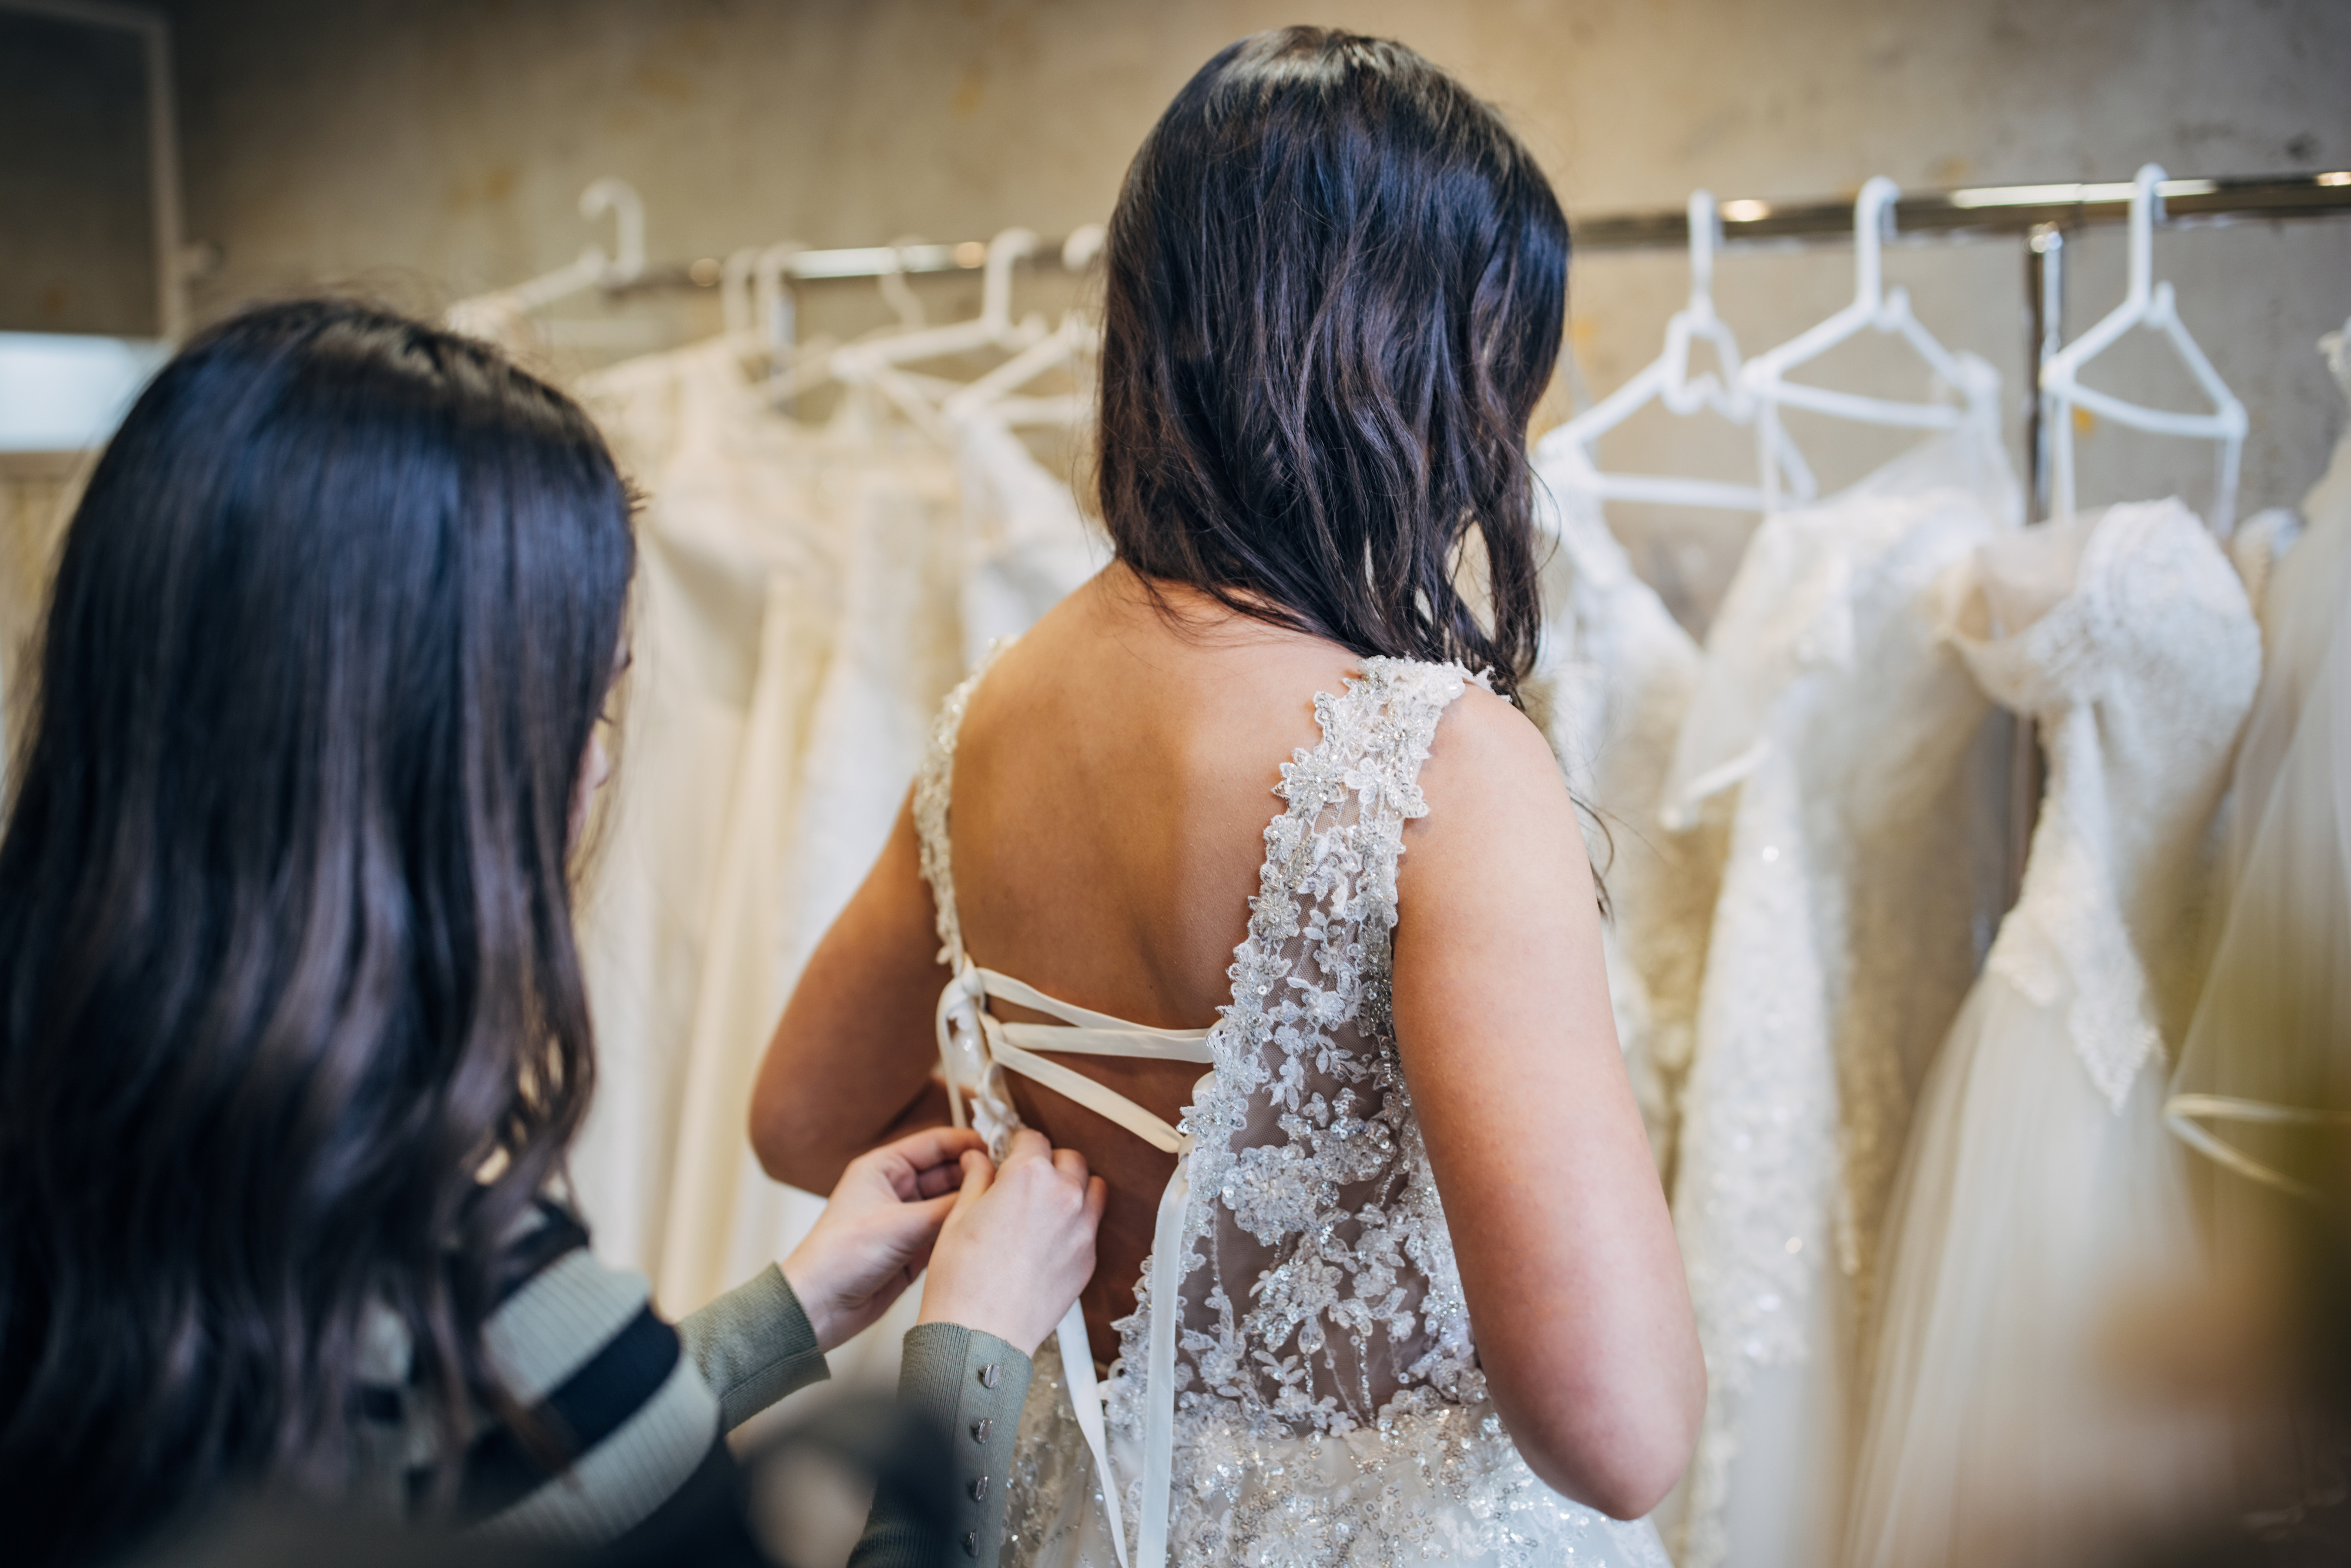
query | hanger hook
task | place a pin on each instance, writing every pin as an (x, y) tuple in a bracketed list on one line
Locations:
[(1873, 222), (2146, 208), (892, 281), (1705, 239), (996, 283), (735, 288), (1085, 243), (628, 209), (776, 317)]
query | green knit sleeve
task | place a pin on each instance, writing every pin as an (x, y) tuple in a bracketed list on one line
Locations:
[(754, 1346), (972, 1384)]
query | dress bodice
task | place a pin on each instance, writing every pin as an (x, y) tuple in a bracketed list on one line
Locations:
[(2139, 678), (1318, 1283)]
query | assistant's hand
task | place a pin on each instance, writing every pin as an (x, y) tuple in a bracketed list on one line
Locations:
[(877, 1229), (1020, 1244)]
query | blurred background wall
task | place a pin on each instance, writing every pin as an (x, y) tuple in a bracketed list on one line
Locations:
[(425, 148)]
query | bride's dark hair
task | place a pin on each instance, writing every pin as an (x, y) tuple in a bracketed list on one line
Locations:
[(1336, 287), (292, 1028)]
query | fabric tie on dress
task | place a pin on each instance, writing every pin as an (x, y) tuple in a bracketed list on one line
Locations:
[(971, 1036)]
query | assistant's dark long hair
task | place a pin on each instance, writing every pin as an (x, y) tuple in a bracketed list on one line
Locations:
[(1335, 289), (292, 1027)]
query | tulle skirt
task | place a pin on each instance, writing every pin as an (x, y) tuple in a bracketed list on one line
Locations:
[(2014, 1417)]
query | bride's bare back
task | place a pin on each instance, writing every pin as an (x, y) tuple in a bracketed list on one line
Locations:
[(1113, 783)]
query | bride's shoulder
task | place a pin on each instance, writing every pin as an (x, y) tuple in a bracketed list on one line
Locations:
[(1484, 736), (1492, 779)]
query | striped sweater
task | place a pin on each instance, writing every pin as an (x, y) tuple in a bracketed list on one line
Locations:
[(644, 1406)]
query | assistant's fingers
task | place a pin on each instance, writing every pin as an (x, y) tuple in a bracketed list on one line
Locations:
[(942, 1179), (1027, 1145), (934, 1146), (925, 1218), (1072, 1165), (907, 1161), (1097, 1195), (978, 1175)]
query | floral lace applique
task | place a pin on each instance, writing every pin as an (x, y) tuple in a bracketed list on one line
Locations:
[(1319, 1281)]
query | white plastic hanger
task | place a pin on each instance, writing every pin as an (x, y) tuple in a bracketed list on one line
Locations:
[(1666, 380), (2145, 304), (777, 311), (876, 363), (1875, 309), (992, 395), (736, 300), (796, 367), (594, 269)]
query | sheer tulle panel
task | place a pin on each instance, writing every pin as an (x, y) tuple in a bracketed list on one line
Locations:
[(1999, 1374)]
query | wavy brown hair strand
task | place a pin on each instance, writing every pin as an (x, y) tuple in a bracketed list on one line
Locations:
[(1336, 286), (292, 1027)]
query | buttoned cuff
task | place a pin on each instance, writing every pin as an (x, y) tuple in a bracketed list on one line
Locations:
[(973, 1385)]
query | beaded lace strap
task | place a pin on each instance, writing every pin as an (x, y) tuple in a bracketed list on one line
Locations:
[(934, 789)]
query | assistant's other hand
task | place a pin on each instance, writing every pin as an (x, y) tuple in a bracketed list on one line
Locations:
[(1019, 1245), (878, 1229)]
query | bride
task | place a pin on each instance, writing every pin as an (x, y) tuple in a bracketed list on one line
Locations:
[(1386, 1275)]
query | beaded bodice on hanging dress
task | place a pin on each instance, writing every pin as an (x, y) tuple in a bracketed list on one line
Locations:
[(1299, 1383)]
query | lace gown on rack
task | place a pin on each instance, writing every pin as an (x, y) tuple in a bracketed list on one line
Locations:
[(1610, 688), (1862, 876), (2040, 1190), (1311, 1395)]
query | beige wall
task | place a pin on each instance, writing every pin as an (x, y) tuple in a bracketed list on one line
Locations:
[(425, 148)]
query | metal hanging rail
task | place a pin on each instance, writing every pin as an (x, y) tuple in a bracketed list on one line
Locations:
[(1983, 210), (1975, 210)]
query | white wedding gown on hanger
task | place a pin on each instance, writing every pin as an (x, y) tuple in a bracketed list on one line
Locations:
[(805, 599), (1298, 1385), (736, 575), (2040, 1190), (1610, 688), (1860, 883), (2267, 1055)]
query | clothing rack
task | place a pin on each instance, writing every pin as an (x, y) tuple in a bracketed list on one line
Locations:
[(865, 261), (2041, 215)]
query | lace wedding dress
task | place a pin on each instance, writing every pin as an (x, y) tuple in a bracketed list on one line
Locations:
[(1297, 1383), (1610, 688), (2040, 1191), (1863, 875)]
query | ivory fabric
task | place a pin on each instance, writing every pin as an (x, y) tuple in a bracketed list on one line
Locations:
[(2267, 1059), (1861, 882), (1611, 684), (2039, 1193)]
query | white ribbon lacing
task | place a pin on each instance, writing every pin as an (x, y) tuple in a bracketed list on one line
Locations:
[(1013, 1047)]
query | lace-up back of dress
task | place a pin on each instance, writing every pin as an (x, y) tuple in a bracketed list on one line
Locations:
[(1321, 1291)]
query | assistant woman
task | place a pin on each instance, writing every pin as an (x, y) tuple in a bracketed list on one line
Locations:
[(293, 1039)]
